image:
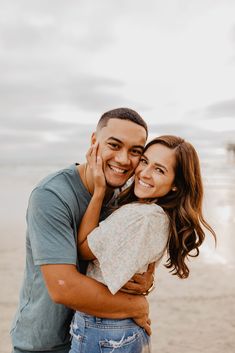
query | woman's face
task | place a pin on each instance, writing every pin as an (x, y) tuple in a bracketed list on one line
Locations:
[(154, 176)]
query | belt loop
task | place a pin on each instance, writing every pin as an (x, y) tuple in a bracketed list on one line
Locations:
[(98, 320)]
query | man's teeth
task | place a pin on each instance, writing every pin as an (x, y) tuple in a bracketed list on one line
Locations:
[(117, 170), (144, 184)]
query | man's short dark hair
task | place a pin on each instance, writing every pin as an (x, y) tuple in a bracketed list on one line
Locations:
[(122, 114)]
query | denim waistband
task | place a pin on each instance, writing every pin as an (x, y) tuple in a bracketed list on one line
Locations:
[(83, 320)]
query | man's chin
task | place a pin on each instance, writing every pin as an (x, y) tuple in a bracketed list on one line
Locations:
[(118, 184), (115, 185)]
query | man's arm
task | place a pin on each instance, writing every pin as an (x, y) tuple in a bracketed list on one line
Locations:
[(69, 287)]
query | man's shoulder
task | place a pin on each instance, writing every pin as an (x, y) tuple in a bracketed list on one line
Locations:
[(63, 186), (58, 176), (65, 181)]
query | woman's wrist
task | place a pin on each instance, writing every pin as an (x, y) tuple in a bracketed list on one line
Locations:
[(99, 194)]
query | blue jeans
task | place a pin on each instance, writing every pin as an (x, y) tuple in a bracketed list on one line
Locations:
[(94, 335)]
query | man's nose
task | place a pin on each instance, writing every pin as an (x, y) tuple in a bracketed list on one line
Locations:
[(122, 157)]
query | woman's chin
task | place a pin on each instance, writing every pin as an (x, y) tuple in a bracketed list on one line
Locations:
[(140, 195)]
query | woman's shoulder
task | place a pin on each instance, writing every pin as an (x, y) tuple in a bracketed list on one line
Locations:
[(143, 208)]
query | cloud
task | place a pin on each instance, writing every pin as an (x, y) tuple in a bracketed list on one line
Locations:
[(24, 102), (38, 148), (198, 135), (67, 144), (221, 109), (46, 52), (54, 25), (34, 124), (91, 56)]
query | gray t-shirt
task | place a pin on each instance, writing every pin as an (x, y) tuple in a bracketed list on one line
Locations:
[(55, 209)]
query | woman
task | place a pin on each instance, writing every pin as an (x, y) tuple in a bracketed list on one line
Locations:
[(160, 211)]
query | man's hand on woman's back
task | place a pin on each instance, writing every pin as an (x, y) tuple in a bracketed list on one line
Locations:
[(141, 283)]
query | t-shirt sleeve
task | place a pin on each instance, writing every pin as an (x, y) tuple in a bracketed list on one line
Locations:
[(126, 241), (49, 229)]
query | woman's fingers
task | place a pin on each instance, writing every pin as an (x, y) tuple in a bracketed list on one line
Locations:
[(96, 166), (99, 163), (91, 155)]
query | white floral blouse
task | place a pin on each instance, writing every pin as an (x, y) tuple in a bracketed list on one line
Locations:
[(127, 241)]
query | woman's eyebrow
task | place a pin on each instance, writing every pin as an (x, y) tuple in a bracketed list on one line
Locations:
[(161, 165), (155, 163)]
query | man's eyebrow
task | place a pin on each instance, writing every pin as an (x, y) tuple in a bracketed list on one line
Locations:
[(115, 139), (119, 141)]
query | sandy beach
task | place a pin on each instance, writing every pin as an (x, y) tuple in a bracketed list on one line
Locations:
[(193, 315)]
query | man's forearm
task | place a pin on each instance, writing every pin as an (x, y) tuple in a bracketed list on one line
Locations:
[(67, 286)]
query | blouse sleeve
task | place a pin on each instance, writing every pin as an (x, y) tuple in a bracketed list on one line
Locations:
[(132, 237)]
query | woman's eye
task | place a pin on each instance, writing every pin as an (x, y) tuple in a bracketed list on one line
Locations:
[(143, 161), (159, 170)]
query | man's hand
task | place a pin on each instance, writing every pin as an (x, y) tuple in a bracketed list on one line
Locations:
[(142, 319), (141, 283), (145, 323)]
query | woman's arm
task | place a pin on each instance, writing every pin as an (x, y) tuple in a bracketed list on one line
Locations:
[(89, 221), (91, 217)]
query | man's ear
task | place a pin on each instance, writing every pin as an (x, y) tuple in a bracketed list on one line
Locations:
[(93, 138)]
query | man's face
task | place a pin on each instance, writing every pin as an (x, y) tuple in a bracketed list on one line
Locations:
[(121, 144)]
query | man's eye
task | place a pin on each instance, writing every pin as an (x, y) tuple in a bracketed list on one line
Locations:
[(136, 152), (113, 145)]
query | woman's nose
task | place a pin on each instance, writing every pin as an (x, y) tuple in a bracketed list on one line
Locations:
[(146, 172)]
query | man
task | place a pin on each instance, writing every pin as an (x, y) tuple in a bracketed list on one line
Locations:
[(52, 285)]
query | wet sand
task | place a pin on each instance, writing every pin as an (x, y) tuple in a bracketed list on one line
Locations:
[(193, 315)]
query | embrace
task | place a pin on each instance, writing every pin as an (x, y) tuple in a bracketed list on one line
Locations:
[(94, 241)]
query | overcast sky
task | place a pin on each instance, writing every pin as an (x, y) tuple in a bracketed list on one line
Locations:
[(66, 62)]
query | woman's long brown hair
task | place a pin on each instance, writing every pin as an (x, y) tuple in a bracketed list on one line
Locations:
[(183, 206)]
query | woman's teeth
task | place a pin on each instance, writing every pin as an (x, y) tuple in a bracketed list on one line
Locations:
[(144, 184)]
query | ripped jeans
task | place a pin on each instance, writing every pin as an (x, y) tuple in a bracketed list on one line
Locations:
[(94, 335)]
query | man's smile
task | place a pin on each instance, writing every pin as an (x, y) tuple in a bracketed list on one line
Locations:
[(118, 170)]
